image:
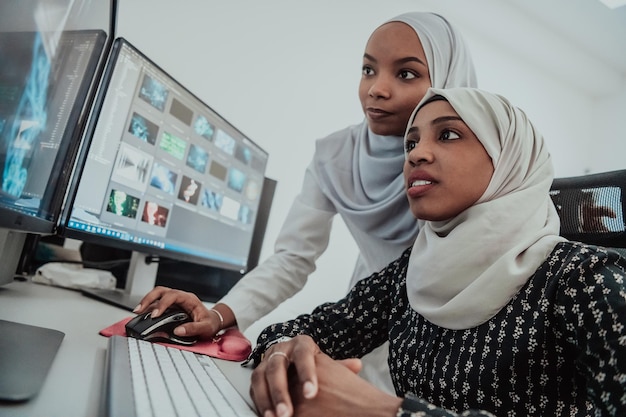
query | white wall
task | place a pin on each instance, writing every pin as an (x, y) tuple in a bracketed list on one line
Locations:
[(286, 72)]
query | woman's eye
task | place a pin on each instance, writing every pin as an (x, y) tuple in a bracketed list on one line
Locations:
[(449, 135), (367, 70), (407, 75), (409, 145)]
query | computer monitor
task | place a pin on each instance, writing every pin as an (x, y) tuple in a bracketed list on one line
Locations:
[(162, 174), (51, 55), (48, 74)]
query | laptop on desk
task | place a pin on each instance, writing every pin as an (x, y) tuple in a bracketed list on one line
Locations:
[(26, 355)]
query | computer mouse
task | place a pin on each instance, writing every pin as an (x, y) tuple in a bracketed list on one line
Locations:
[(160, 329)]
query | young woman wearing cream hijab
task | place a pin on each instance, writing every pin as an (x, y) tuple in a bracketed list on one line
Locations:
[(489, 312)]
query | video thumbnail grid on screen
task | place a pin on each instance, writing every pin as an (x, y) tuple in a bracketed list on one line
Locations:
[(161, 162)]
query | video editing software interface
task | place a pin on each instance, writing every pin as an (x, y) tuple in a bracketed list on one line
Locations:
[(44, 84), (164, 171)]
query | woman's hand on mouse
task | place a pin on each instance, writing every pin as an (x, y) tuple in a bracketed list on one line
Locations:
[(206, 323)]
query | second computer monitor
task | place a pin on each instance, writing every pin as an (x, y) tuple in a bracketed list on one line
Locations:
[(50, 62), (162, 173)]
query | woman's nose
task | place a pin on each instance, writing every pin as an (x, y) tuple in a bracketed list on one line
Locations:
[(380, 88), (420, 153)]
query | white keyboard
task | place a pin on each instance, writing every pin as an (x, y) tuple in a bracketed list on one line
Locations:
[(145, 379)]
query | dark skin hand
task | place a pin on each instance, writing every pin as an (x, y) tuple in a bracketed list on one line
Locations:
[(341, 392), (206, 323), (310, 383)]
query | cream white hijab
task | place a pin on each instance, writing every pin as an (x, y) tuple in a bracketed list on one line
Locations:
[(462, 271), (361, 172)]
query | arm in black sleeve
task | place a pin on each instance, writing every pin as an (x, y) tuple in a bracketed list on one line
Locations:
[(350, 327)]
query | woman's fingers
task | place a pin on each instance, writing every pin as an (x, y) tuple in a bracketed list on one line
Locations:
[(149, 300), (269, 387), (304, 362), (160, 298), (205, 329), (277, 367), (353, 364), (285, 365)]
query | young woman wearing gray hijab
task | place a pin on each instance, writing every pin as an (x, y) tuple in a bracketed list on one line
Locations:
[(355, 173)]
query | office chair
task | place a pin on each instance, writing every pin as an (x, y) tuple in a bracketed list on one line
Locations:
[(592, 208)]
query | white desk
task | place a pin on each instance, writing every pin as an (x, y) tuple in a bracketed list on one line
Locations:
[(72, 387)]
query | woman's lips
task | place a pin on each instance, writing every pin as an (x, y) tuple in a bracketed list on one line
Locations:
[(418, 184), (374, 114)]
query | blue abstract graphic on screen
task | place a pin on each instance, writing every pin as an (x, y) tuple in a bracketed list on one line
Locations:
[(29, 120)]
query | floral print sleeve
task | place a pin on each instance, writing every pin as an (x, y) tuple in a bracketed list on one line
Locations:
[(351, 327)]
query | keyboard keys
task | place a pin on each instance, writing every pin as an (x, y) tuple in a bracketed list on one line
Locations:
[(150, 375), (142, 399), (172, 382)]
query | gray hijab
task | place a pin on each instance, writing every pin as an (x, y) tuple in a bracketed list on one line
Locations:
[(361, 172)]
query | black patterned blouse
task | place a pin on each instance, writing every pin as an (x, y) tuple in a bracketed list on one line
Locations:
[(558, 348)]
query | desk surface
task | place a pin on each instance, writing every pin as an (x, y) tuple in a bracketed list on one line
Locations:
[(72, 388)]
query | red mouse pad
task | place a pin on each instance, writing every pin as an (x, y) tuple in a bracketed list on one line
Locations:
[(231, 345)]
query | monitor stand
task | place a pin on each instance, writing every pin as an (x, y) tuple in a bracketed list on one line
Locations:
[(139, 281), (11, 245)]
